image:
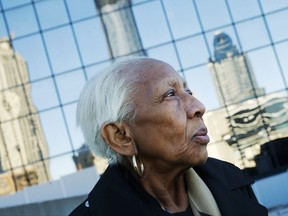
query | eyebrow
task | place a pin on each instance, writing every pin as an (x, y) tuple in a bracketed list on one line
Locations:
[(173, 83), (179, 80)]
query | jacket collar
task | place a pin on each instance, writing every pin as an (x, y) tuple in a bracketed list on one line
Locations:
[(115, 191), (231, 176), (231, 188)]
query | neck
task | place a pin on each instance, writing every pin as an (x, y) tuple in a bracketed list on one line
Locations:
[(169, 189)]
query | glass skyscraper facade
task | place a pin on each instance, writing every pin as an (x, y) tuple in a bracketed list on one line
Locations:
[(120, 27), (232, 53), (232, 73), (248, 113), (23, 145)]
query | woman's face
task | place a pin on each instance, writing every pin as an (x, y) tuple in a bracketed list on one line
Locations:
[(169, 130)]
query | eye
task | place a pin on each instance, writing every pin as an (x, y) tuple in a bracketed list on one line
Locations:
[(170, 93), (189, 91)]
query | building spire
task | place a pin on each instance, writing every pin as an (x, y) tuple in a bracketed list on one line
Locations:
[(223, 47)]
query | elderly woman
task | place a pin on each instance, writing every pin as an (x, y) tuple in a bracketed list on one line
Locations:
[(140, 114)]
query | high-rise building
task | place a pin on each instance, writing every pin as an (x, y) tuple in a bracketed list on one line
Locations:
[(252, 122), (120, 27), (84, 158), (22, 142), (232, 73), (258, 126)]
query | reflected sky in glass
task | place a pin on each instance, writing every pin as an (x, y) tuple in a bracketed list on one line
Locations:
[(78, 51), (170, 55), (244, 9), (56, 133), (153, 28), (213, 13), (35, 56), (45, 9), (269, 76), (22, 21)]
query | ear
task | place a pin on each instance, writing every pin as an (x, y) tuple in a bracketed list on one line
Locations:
[(118, 137)]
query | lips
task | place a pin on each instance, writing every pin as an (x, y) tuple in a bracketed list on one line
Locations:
[(201, 136)]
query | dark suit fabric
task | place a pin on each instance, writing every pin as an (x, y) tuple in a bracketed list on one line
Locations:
[(118, 193)]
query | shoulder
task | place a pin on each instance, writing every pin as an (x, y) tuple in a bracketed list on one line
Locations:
[(231, 188), (219, 164), (112, 195), (81, 210), (101, 194), (222, 170)]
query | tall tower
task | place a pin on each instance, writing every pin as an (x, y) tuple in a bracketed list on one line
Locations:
[(232, 73), (120, 27), (22, 139)]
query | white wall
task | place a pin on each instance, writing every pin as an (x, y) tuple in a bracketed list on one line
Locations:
[(76, 184), (271, 191)]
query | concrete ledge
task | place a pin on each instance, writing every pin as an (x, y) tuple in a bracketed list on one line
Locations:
[(272, 191), (73, 185), (51, 208), (62, 196)]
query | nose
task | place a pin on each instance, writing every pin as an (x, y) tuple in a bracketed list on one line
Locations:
[(195, 108)]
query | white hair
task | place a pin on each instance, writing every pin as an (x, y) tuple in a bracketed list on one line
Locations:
[(108, 98)]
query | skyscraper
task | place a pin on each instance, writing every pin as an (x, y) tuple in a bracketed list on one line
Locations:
[(232, 73), (22, 139), (120, 27), (249, 126)]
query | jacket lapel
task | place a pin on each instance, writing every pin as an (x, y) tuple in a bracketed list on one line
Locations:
[(230, 188)]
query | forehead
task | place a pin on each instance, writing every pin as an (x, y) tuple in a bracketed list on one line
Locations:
[(157, 72)]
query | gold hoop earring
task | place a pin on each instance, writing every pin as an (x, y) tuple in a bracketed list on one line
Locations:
[(139, 170)]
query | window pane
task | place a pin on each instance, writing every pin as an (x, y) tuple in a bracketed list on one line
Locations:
[(192, 51), (252, 37), (151, 32), (229, 31), (85, 9), (139, 1), (44, 94), (65, 161), (93, 70), (200, 82), (182, 17), (283, 56), (70, 85), (3, 30), (32, 50), (249, 136), (75, 132), (264, 64), (278, 25), (170, 55), (244, 9), (55, 131), (15, 21), (66, 57), (269, 5), (45, 10), (91, 40), (209, 11), (59, 61), (9, 4)]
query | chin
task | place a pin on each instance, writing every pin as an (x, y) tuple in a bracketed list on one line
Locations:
[(202, 160)]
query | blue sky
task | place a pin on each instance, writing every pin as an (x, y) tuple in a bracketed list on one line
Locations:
[(156, 35)]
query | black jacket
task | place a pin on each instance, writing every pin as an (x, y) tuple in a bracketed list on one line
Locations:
[(118, 193)]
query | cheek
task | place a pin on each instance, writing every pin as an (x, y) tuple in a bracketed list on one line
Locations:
[(198, 154), (167, 127), (193, 153), (176, 122)]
